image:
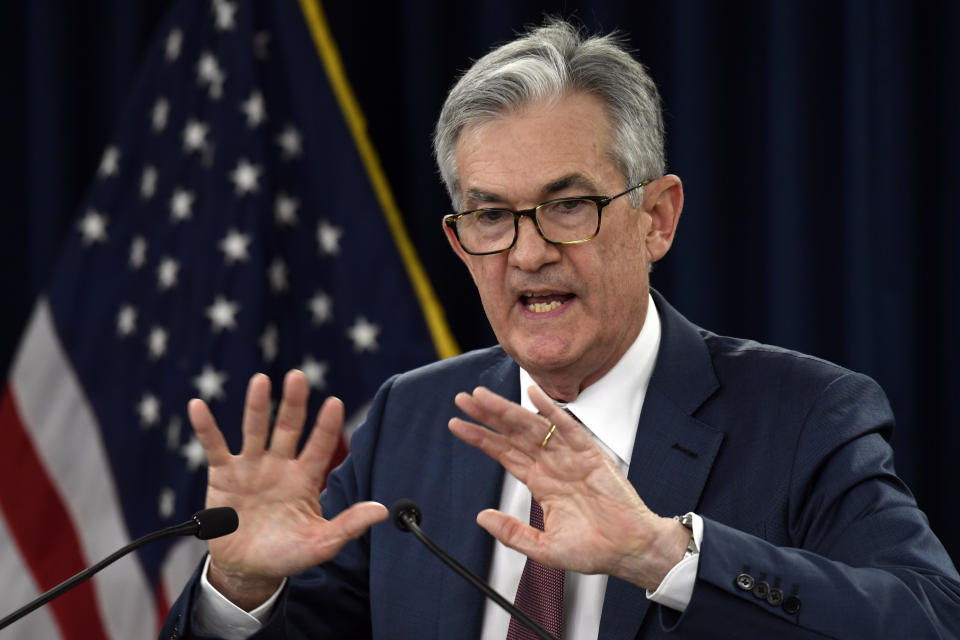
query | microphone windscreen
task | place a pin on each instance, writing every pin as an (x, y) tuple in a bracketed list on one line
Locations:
[(402, 509), (215, 522)]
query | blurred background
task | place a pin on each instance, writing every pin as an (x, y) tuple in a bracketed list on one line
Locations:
[(818, 142)]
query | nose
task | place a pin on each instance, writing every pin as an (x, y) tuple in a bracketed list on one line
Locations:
[(531, 251)]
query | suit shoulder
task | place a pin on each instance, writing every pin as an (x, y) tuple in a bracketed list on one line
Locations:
[(454, 370), (739, 354)]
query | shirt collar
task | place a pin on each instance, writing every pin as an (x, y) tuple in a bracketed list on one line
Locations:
[(610, 407)]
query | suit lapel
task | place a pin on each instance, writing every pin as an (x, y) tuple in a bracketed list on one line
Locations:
[(673, 452), (475, 484)]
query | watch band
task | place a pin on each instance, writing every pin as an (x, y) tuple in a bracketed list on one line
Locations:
[(687, 521)]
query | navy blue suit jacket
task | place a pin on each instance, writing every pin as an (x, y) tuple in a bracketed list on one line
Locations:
[(785, 456)]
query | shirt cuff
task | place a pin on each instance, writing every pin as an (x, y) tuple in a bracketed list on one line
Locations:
[(215, 615), (676, 588)]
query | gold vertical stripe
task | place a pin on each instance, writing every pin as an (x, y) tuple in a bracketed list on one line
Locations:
[(443, 339)]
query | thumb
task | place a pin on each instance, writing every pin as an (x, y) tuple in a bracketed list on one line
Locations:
[(347, 525), (513, 533)]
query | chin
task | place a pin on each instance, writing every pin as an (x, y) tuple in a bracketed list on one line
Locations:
[(544, 355)]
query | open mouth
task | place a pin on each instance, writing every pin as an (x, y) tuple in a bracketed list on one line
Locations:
[(542, 303)]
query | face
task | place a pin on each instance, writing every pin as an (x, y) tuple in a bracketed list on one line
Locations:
[(567, 313)]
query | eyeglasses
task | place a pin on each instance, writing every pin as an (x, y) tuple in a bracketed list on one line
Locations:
[(562, 221)]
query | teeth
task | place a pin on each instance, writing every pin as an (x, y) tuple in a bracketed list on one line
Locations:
[(543, 307)]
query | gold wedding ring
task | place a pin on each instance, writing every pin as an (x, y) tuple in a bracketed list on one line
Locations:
[(553, 428)]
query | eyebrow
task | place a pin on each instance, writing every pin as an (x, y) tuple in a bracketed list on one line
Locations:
[(553, 187)]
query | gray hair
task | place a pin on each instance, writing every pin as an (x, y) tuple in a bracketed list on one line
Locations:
[(544, 64)]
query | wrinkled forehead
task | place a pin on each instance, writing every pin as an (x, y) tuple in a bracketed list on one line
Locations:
[(542, 148)]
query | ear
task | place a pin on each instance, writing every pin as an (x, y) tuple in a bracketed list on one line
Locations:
[(455, 244), (662, 201)]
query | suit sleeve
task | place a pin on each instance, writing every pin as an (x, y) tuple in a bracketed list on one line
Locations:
[(331, 600), (862, 563)]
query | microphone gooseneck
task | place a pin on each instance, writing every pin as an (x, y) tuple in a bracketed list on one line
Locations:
[(206, 524), (406, 516)]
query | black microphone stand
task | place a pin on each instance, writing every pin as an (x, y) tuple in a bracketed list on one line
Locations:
[(407, 513), (192, 527)]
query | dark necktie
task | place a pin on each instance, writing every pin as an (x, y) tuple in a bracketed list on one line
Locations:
[(540, 594)]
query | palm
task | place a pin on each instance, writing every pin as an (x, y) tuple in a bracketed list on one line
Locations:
[(274, 489), (586, 507), (594, 521), (279, 511)]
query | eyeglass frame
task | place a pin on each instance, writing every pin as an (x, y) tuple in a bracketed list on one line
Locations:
[(451, 219)]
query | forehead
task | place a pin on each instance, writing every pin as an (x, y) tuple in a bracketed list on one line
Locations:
[(520, 155)]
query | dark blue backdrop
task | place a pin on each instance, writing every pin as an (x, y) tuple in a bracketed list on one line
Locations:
[(819, 144)]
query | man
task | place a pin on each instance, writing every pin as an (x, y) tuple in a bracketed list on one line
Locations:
[(794, 523)]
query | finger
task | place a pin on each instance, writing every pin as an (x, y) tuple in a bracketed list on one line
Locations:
[(209, 436), (256, 415), (511, 532), (349, 524), (494, 445), (524, 428), (569, 431), (323, 440), (291, 415)]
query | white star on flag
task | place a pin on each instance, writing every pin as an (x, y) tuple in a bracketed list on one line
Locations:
[(195, 135), (364, 335), (277, 275), (255, 109), (172, 45), (222, 314), (148, 182), (210, 74), (245, 177), (149, 410), (138, 252), (328, 237), (167, 272), (290, 143), (126, 320), (157, 342), (315, 372), (225, 13), (173, 433), (159, 114), (109, 163), (193, 454), (209, 383), (321, 308), (93, 227), (167, 503), (181, 205), (235, 246), (285, 210), (269, 343)]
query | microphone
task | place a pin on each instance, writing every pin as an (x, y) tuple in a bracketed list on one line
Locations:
[(406, 516), (206, 524)]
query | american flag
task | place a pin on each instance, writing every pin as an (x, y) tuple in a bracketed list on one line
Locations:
[(232, 227)]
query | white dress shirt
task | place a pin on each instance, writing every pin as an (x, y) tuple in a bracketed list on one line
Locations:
[(610, 410)]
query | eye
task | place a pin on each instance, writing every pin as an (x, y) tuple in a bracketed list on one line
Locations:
[(568, 206), (489, 217)]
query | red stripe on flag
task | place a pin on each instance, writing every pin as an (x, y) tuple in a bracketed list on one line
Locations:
[(161, 604), (339, 455), (42, 528)]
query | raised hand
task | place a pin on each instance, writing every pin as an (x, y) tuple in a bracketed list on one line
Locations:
[(275, 492), (594, 521)]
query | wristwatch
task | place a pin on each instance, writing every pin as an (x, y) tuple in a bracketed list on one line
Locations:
[(687, 521)]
